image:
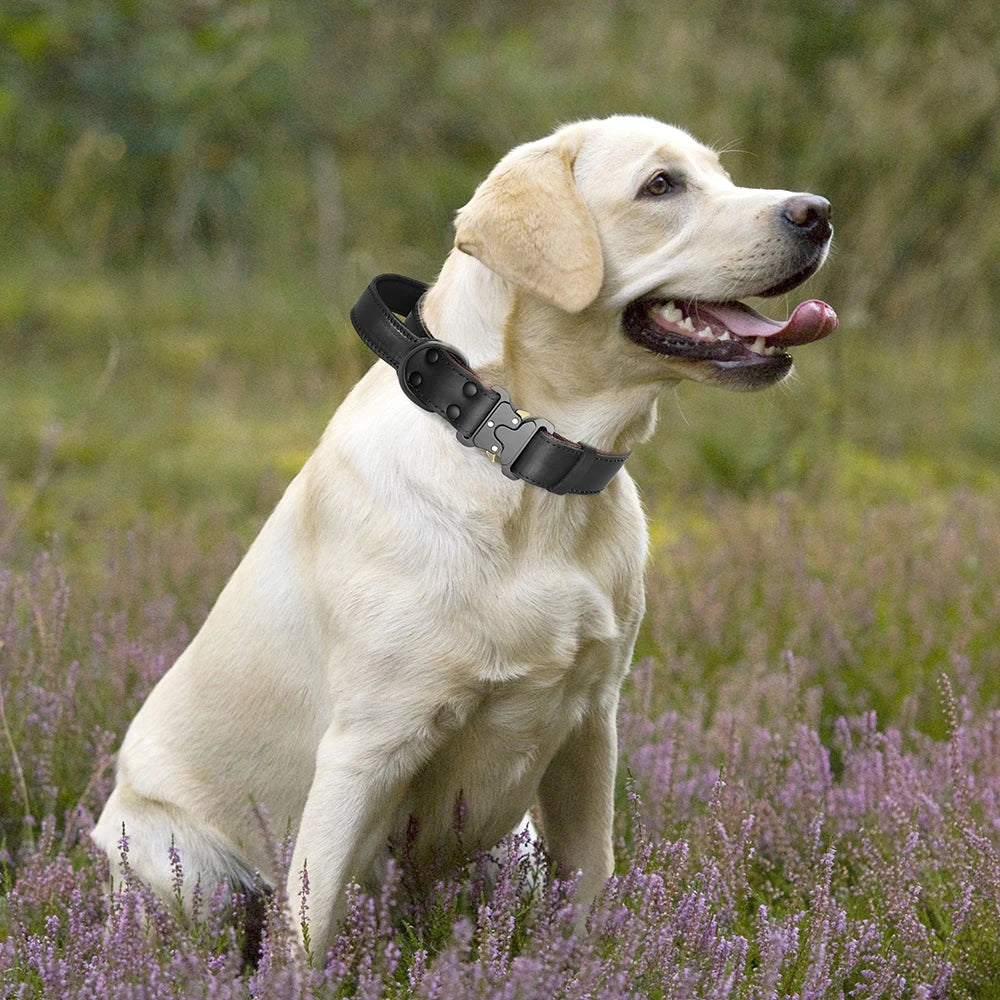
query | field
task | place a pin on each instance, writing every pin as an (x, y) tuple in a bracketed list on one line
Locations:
[(809, 793)]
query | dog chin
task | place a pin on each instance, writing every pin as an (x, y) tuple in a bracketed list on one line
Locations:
[(744, 376)]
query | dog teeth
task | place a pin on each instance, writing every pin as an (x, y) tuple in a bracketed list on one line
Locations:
[(760, 346), (671, 313), (675, 316)]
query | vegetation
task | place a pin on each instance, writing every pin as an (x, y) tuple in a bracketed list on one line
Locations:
[(192, 196)]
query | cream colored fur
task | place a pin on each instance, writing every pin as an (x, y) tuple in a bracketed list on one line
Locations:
[(410, 625)]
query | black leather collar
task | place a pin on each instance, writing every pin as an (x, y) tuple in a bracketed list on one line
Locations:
[(437, 377)]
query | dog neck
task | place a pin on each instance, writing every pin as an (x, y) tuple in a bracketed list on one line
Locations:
[(467, 306), (568, 368)]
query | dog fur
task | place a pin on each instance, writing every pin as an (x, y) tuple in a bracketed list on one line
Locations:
[(410, 626)]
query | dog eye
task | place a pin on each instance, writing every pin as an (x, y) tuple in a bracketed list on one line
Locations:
[(661, 183)]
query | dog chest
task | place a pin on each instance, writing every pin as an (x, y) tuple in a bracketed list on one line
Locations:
[(492, 765), (533, 687)]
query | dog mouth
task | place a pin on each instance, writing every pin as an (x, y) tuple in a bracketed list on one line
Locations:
[(731, 336)]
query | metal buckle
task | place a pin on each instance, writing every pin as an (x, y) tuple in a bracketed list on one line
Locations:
[(515, 431)]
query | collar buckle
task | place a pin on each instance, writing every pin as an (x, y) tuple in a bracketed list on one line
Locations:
[(505, 433)]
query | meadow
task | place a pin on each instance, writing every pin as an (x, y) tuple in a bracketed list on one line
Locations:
[(809, 786)]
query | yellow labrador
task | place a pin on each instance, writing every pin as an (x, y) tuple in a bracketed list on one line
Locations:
[(411, 626)]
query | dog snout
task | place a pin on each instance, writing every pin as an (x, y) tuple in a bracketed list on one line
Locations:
[(809, 216)]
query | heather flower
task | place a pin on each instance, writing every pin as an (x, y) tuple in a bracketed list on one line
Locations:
[(765, 846)]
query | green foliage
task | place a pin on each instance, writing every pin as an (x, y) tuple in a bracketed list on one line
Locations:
[(194, 192), (137, 127), (325, 139)]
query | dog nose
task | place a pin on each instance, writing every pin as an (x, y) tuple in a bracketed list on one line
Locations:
[(809, 214)]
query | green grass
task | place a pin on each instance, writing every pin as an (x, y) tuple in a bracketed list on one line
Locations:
[(831, 546), (170, 392), (828, 547), (851, 505), (155, 397)]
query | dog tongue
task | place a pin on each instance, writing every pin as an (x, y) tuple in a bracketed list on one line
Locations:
[(810, 321)]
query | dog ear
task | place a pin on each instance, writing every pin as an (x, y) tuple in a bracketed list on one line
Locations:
[(528, 223)]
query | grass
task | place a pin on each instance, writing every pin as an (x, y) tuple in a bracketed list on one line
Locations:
[(175, 392), (809, 784), (804, 803)]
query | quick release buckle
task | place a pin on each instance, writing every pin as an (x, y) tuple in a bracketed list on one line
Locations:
[(505, 433)]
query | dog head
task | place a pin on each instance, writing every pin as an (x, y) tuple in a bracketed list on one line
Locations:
[(633, 217)]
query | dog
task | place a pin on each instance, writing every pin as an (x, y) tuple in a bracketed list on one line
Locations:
[(411, 626)]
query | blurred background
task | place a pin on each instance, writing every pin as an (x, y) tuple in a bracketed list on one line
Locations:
[(193, 194)]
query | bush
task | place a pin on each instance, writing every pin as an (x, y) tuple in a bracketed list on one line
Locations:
[(337, 138)]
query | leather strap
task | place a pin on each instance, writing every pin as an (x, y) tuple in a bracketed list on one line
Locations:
[(437, 377)]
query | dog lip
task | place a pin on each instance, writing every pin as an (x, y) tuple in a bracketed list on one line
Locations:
[(796, 279)]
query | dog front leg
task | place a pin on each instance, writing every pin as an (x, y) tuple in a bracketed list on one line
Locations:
[(576, 797), (359, 781)]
